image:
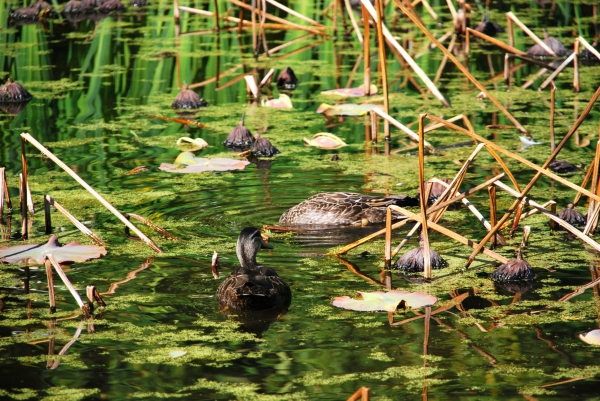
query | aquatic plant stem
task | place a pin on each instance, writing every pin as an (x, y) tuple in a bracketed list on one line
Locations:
[(4, 194), (366, 52), (449, 233), (432, 209), (84, 184), (66, 281), (23, 187), (388, 239), (423, 203), (48, 266), (393, 43), (557, 71), (551, 216), (502, 45), (493, 216), (294, 13), (352, 21), (513, 18), (412, 135), (383, 65), (463, 69)]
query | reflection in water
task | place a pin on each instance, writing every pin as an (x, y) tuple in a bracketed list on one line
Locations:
[(253, 294)]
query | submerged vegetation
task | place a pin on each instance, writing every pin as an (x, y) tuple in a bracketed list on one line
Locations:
[(102, 88)]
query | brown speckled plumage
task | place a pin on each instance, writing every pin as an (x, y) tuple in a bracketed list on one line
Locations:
[(342, 208), (252, 286)]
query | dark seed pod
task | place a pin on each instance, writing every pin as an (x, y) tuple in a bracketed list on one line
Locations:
[(263, 148), (488, 27), (563, 167), (558, 48), (111, 5), (240, 137), (572, 216), (412, 261), (12, 92), (287, 79), (188, 99), (514, 270)]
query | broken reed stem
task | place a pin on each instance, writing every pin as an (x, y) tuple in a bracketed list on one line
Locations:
[(388, 238), (253, 19), (4, 194), (29, 199), (463, 69), (550, 204), (493, 217), (511, 16), (255, 12), (362, 394), (84, 184), (66, 281), (353, 21), (50, 201), (557, 71), (551, 216), (393, 43), (366, 51), (23, 187), (294, 13), (383, 65), (406, 239), (552, 112), (411, 134), (216, 3), (502, 45), (449, 233), (153, 226), (430, 210), (423, 202), (576, 82), (48, 265), (47, 216), (584, 182)]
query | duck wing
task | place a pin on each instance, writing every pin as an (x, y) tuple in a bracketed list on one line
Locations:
[(340, 208)]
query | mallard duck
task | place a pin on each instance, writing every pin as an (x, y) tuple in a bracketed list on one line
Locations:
[(343, 209), (252, 286)]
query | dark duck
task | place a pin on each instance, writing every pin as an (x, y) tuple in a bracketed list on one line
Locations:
[(343, 209), (252, 286)]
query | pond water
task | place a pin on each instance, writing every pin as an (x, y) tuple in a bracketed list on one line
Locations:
[(161, 335)]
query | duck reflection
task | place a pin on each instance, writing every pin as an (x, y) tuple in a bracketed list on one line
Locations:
[(253, 294)]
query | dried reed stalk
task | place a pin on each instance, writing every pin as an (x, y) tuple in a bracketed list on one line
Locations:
[(362, 394), (4, 194), (353, 21), (411, 134), (48, 265), (423, 203), (449, 233), (50, 201), (513, 18), (393, 43), (493, 217), (366, 51), (557, 71), (388, 238), (383, 66), (496, 42), (576, 81), (585, 180), (153, 226), (462, 68), (84, 184), (23, 187), (551, 216), (47, 217), (295, 13), (66, 281)]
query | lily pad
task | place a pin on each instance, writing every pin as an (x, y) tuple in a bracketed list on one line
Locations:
[(186, 162), (35, 254), (592, 337), (284, 102), (348, 109), (351, 92), (325, 140), (384, 301), (188, 144)]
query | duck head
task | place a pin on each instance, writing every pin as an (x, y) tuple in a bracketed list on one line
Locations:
[(248, 244)]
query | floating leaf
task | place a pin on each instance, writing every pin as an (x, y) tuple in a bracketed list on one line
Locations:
[(35, 254), (592, 337), (325, 140), (186, 162), (384, 301), (187, 144), (348, 109), (284, 102), (351, 92), (176, 354)]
